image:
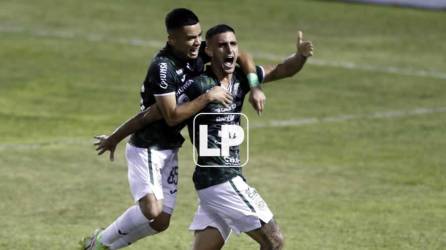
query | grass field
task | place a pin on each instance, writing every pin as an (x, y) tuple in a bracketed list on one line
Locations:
[(360, 165)]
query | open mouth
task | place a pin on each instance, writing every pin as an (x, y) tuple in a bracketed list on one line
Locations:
[(228, 61), (194, 51)]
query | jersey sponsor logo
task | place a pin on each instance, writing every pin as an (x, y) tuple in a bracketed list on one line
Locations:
[(163, 75), (231, 107), (227, 118), (184, 87)]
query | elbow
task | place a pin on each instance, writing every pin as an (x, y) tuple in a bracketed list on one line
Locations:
[(171, 122)]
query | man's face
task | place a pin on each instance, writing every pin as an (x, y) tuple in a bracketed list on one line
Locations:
[(223, 48), (187, 40)]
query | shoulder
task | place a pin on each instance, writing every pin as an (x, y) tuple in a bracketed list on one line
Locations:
[(203, 82), (198, 85), (162, 62), (162, 74)]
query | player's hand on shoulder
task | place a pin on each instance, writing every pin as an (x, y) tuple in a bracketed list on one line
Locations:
[(257, 99), (220, 95), (105, 143), (304, 48)]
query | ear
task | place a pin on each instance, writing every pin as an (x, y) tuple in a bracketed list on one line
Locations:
[(208, 50), (171, 40)]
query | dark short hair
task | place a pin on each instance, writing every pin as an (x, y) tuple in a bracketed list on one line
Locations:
[(218, 29), (180, 17)]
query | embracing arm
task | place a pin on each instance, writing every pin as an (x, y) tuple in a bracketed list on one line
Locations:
[(291, 65), (164, 108), (174, 114)]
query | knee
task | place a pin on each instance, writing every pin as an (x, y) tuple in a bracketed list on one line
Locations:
[(160, 225), (150, 210)]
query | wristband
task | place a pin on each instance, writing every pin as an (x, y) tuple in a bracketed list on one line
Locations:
[(253, 80)]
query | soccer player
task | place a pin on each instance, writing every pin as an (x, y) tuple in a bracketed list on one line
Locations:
[(152, 151), (227, 202)]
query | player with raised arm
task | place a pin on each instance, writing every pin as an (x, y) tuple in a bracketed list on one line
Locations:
[(245, 210), (226, 201), (152, 151)]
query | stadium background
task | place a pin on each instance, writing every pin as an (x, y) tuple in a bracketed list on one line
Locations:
[(350, 154)]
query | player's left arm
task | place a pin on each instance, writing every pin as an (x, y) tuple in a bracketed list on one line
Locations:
[(291, 65), (256, 96), (137, 122)]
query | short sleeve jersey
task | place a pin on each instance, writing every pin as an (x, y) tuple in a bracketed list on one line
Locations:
[(166, 75), (208, 176)]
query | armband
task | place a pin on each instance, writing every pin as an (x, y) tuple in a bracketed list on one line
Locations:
[(253, 80)]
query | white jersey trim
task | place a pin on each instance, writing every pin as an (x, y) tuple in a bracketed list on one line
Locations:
[(170, 93)]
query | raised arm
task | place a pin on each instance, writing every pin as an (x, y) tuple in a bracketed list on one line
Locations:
[(256, 96), (291, 65)]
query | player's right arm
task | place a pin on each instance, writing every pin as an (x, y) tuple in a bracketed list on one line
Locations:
[(151, 114), (165, 86), (165, 107), (174, 114)]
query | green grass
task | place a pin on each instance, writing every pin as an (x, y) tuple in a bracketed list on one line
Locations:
[(363, 183)]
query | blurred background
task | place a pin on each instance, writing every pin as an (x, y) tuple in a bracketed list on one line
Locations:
[(349, 153)]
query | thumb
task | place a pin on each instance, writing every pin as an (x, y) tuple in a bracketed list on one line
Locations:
[(112, 154), (299, 37)]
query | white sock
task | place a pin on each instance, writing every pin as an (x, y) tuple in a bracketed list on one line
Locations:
[(123, 225), (142, 231)]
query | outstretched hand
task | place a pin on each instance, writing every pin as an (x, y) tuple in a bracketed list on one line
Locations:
[(257, 99), (104, 143), (304, 48)]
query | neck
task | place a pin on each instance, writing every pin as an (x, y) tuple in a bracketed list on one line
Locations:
[(178, 53), (223, 77)]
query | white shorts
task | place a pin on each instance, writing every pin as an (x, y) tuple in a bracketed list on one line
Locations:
[(153, 171), (232, 205)]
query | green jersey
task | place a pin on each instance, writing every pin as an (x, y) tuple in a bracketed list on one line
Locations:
[(166, 75), (223, 168)]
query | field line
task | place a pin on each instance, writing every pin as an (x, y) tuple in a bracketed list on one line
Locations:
[(67, 34), (271, 124), (342, 118)]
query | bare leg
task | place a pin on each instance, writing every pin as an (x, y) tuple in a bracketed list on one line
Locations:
[(268, 236), (161, 222), (208, 239), (150, 206)]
